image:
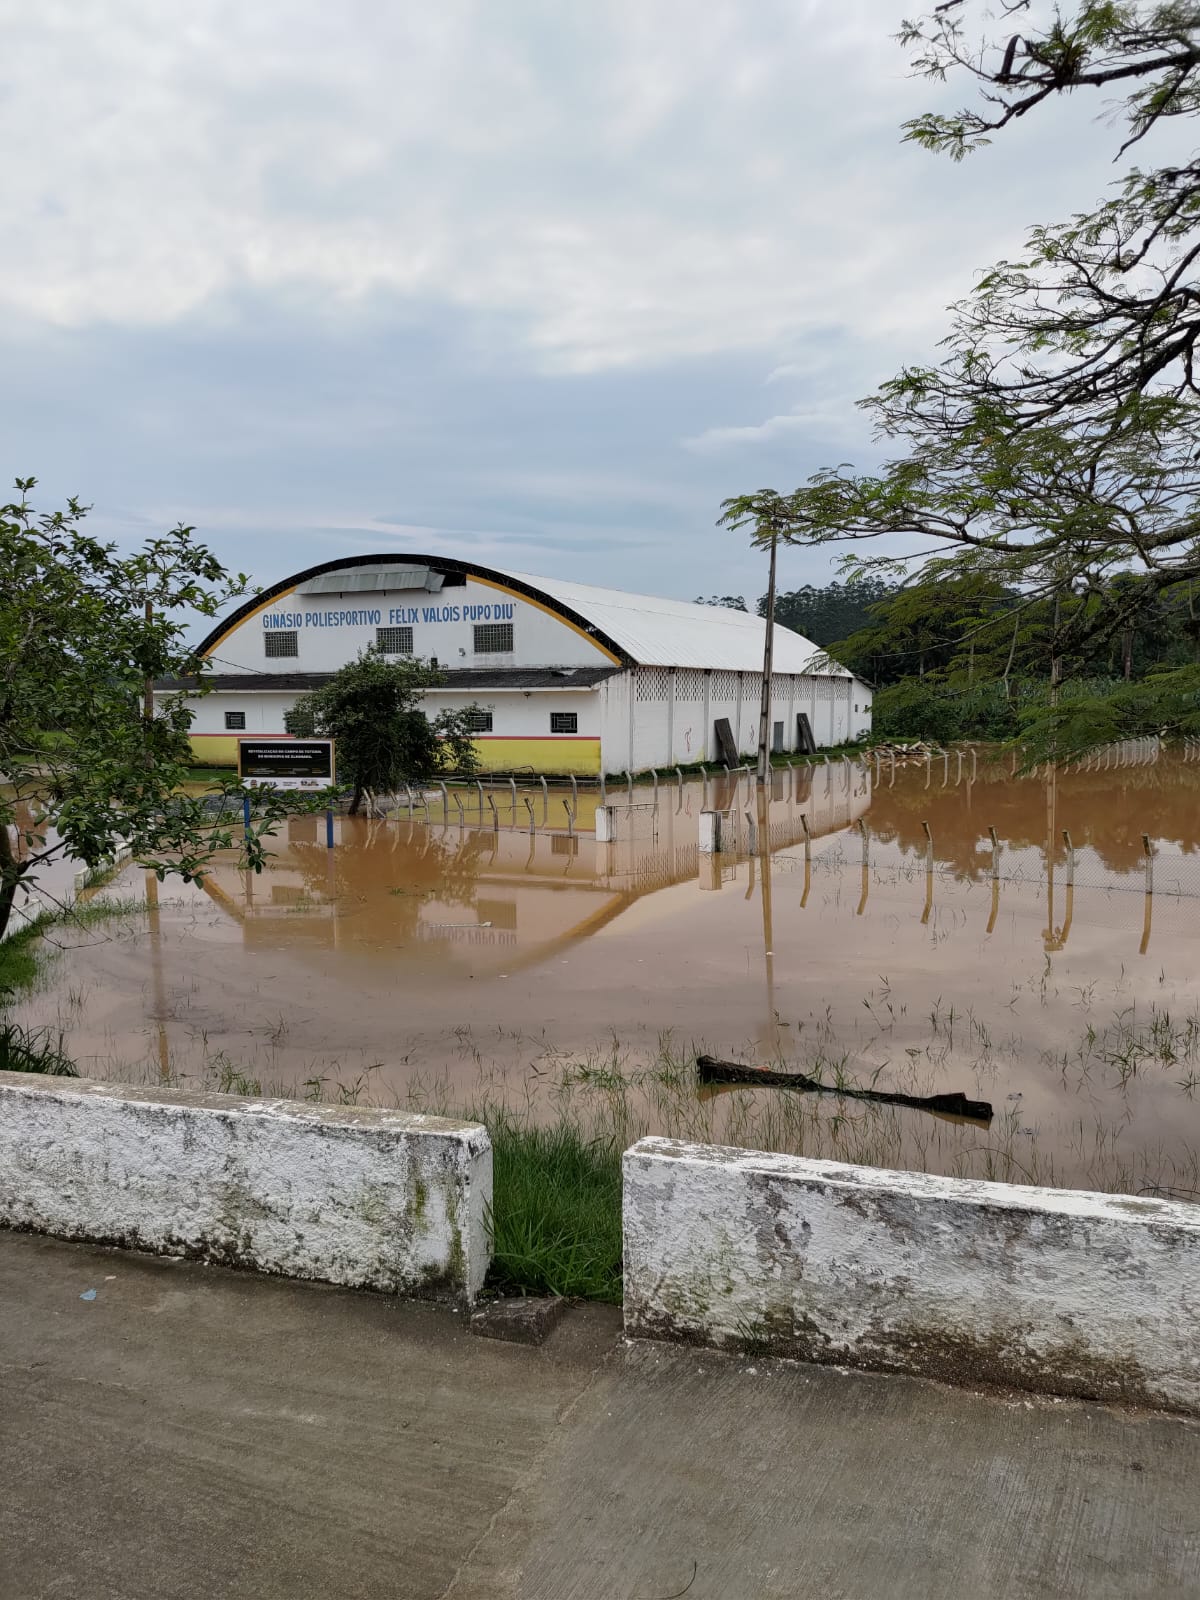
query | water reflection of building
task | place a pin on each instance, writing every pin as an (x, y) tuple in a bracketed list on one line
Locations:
[(498, 897)]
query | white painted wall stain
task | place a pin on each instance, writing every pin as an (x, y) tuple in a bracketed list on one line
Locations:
[(374, 1199), (1060, 1291)]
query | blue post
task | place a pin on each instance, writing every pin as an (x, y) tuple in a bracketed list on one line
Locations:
[(246, 814), (329, 828)]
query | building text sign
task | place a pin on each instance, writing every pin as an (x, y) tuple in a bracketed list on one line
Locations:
[(287, 763), (503, 611)]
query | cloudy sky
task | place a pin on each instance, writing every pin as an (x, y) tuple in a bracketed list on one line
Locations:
[(533, 283)]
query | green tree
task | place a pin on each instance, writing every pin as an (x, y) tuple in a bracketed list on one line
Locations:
[(1051, 449), (83, 769), (826, 615), (372, 708), (730, 602)]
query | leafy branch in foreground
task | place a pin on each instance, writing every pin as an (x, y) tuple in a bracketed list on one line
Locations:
[(1051, 449), (83, 629)]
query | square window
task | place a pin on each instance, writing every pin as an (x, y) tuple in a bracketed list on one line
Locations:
[(493, 638), (394, 641), (479, 721), (235, 719), (284, 643), (564, 722)]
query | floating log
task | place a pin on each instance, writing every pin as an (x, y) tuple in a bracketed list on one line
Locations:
[(709, 1071)]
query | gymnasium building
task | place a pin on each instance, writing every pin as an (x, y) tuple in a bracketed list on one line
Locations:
[(567, 678)]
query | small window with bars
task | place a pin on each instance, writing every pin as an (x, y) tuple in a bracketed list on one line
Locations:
[(479, 721), (493, 638), (564, 722), (284, 643), (235, 720), (394, 641)]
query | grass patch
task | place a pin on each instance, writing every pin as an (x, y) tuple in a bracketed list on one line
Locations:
[(18, 958), (556, 1218), (23, 952), (33, 1050)]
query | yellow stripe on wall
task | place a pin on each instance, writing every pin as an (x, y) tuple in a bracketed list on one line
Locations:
[(578, 755)]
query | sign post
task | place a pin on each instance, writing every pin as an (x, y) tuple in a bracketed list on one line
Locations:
[(287, 763)]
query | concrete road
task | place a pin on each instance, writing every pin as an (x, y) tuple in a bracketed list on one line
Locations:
[(190, 1433)]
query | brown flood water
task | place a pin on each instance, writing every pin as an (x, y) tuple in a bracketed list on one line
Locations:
[(445, 963)]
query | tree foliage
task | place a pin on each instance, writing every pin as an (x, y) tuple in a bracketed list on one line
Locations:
[(82, 770), (372, 708), (730, 602), (829, 614), (1050, 450)]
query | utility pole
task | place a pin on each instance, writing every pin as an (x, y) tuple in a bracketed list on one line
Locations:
[(764, 715), (148, 687)]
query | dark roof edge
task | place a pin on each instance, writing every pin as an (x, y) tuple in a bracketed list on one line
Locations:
[(462, 678), (446, 564)]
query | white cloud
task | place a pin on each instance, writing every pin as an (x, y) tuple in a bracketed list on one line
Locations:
[(634, 181), (711, 439)]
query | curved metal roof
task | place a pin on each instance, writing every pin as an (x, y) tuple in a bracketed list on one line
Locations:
[(634, 629), (678, 633)]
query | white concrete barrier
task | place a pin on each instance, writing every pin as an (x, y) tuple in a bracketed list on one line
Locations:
[(374, 1199), (1053, 1290)]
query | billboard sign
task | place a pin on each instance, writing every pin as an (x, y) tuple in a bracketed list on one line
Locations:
[(287, 763)]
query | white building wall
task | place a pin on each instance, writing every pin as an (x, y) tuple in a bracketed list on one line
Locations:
[(650, 691), (863, 695), (689, 733), (264, 712), (522, 714), (332, 629), (517, 714), (839, 710)]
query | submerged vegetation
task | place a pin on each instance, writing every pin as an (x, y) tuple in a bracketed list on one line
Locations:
[(23, 957), (33, 1050)]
